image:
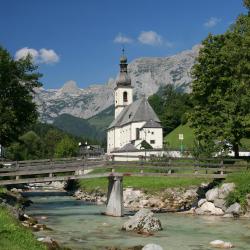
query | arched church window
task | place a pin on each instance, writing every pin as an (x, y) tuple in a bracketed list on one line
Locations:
[(125, 96)]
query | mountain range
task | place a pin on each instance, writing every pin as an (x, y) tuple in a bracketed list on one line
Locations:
[(147, 75), (88, 111)]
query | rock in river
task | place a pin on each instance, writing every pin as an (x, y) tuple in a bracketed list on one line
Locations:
[(152, 247), (143, 222), (234, 209), (208, 208), (221, 244), (49, 242)]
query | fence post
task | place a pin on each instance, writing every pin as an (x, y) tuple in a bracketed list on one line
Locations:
[(169, 164), (51, 163), (140, 158), (17, 167), (197, 166), (84, 163), (221, 166)]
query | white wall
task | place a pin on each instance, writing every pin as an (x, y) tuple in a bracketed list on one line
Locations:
[(125, 134), (110, 140), (136, 155), (134, 126), (119, 103), (152, 134), (118, 137)]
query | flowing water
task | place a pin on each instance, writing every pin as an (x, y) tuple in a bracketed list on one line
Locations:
[(80, 225)]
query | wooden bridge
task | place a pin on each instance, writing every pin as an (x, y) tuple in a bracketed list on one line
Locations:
[(77, 168)]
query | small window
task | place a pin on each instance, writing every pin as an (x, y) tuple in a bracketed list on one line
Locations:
[(152, 133), (152, 141), (125, 96)]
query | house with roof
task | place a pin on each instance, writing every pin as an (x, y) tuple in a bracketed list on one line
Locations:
[(135, 123)]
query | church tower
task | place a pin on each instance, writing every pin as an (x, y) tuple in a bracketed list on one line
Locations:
[(123, 89)]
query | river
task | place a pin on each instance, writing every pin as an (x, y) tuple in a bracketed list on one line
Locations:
[(80, 225)]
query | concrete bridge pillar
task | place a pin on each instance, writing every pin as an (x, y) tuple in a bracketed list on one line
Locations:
[(115, 197)]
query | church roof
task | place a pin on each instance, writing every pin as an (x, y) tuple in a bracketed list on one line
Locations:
[(138, 111), (127, 147), (152, 124)]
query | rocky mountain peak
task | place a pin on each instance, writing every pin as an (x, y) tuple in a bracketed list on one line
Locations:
[(70, 87), (147, 75)]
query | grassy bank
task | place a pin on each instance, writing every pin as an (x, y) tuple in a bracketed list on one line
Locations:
[(242, 182), (172, 139), (148, 184), (14, 236)]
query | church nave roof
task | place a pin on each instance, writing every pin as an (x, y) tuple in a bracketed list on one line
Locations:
[(140, 110)]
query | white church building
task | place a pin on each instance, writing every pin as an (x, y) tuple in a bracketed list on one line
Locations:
[(135, 121)]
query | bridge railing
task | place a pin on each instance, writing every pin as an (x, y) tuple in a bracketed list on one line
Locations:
[(46, 163), (144, 161), (61, 168)]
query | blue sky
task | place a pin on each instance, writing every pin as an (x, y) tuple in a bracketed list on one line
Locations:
[(81, 40)]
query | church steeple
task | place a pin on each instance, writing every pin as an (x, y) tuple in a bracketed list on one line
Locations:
[(123, 89), (124, 79)]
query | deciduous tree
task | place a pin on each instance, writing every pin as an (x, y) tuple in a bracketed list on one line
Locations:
[(67, 147), (18, 78), (221, 87), (171, 106)]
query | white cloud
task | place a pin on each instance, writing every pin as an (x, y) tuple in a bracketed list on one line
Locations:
[(120, 38), (47, 56), (150, 38), (24, 52), (211, 22)]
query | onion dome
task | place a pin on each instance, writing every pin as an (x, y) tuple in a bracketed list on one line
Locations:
[(124, 79)]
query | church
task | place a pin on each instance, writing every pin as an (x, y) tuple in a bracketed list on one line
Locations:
[(135, 123)]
